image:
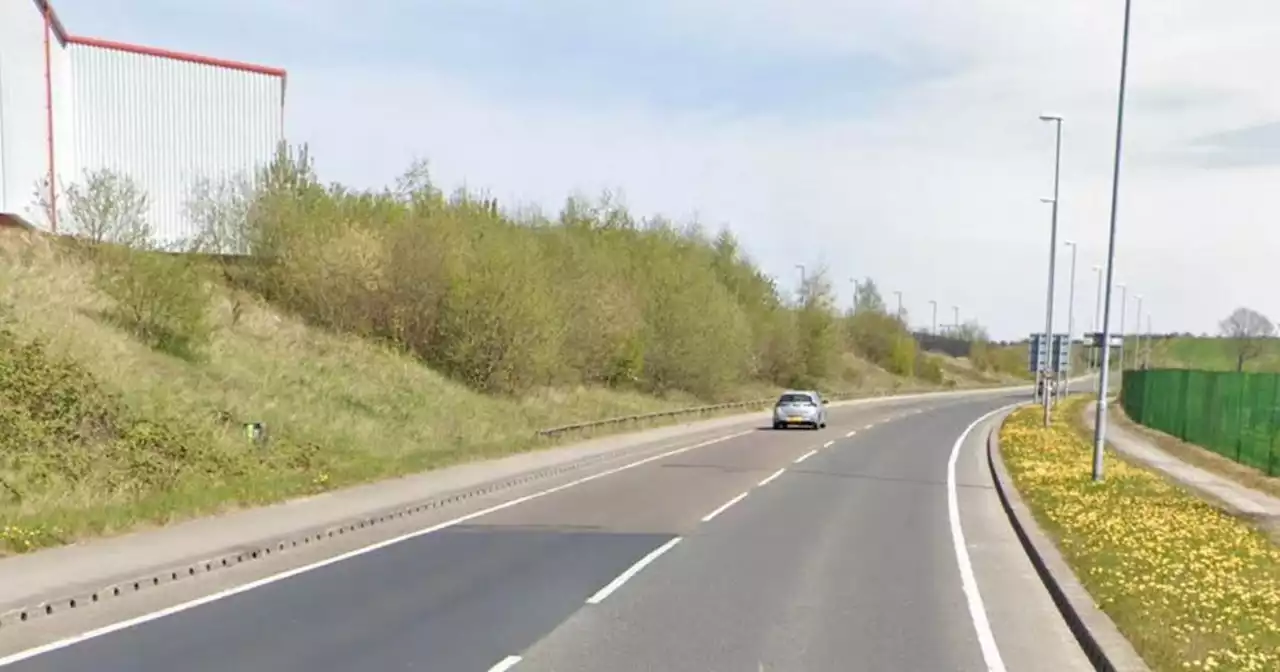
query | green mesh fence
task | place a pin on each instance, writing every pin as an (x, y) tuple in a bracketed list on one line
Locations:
[(1236, 415)]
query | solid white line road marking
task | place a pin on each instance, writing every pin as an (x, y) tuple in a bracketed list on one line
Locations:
[(115, 627), (806, 456), (707, 518), (977, 611), (635, 569), (769, 480), (851, 434), (505, 664)]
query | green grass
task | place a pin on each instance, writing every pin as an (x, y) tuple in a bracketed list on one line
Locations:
[(1190, 586), (1211, 354)]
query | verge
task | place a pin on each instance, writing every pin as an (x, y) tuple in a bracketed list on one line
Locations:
[(1106, 648)]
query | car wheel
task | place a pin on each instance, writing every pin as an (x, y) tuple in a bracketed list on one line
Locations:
[(777, 425)]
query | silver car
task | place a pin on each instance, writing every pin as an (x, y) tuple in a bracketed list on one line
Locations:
[(800, 408)]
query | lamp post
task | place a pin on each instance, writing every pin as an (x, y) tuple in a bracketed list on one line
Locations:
[(1124, 309), (1097, 309), (1053, 253), (1137, 333), (935, 316), (956, 325), (899, 294), (1071, 319)]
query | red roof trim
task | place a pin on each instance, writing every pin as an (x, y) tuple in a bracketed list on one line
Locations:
[(175, 55), (67, 38)]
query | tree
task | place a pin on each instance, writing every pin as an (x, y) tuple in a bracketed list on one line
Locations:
[(1248, 330), (866, 297)]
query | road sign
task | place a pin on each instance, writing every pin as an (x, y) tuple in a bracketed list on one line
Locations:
[(1038, 355), (1094, 339)]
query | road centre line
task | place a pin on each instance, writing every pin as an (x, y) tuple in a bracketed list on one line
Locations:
[(505, 664), (769, 480), (806, 456), (828, 444), (632, 571), (723, 507)]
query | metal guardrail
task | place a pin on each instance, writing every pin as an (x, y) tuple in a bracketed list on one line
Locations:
[(712, 408)]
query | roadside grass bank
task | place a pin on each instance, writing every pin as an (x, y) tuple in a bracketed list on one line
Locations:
[(102, 432), (1189, 585)]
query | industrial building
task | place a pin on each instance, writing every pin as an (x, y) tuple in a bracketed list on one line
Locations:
[(71, 104)]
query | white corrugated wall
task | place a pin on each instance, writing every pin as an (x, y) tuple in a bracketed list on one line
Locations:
[(167, 123), (23, 126)]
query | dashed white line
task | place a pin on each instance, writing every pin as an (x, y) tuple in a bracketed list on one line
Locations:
[(870, 426), (145, 618), (769, 480), (828, 444), (851, 434), (635, 569), (505, 664), (723, 507), (977, 611), (806, 456)]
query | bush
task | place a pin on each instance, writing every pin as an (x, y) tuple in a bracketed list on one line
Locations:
[(162, 299)]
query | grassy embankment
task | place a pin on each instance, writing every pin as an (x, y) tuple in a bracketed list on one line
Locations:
[(1191, 586), (1210, 354), (384, 333)]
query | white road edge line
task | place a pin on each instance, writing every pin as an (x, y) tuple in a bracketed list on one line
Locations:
[(505, 664), (806, 456), (828, 444), (850, 434), (769, 480), (168, 611), (977, 611), (635, 569), (724, 507)]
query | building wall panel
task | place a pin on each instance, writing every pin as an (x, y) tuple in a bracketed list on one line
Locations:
[(169, 123), (23, 125)]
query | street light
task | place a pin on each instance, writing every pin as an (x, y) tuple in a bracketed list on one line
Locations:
[(1100, 413), (1053, 256), (935, 316), (899, 304), (1137, 333), (956, 310), (1124, 309), (1071, 317), (1097, 308)]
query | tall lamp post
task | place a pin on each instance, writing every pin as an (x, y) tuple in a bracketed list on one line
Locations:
[(1053, 254), (899, 295), (1071, 319), (1124, 309), (1137, 333), (935, 316), (1100, 412), (1097, 310), (956, 325)]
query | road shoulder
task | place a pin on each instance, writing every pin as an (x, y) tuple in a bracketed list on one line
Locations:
[(1029, 630)]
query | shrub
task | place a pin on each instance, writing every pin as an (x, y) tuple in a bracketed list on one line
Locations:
[(163, 299)]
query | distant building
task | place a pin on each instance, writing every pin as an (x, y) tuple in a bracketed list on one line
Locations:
[(165, 119)]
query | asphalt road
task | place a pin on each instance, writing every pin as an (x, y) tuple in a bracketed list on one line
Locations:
[(798, 550)]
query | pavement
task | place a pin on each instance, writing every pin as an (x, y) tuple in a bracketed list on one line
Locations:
[(1237, 497), (857, 547)]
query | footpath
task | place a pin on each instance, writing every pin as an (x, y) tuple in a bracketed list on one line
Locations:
[(1240, 500)]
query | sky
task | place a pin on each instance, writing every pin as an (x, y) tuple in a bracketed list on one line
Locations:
[(896, 140)]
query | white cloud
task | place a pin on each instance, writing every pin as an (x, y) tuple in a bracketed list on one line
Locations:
[(934, 192)]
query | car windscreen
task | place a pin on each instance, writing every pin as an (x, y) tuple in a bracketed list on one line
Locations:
[(796, 399)]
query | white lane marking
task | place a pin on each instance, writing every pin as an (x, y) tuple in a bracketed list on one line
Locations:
[(828, 444), (851, 434), (723, 507), (769, 480), (168, 611), (635, 569), (806, 456), (505, 664), (977, 611), (870, 426)]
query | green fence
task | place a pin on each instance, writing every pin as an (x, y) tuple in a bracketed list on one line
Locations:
[(1236, 415)]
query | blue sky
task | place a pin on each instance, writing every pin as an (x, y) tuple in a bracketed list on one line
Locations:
[(902, 137)]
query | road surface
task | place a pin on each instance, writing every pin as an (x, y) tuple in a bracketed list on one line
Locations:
[(790, 551)]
